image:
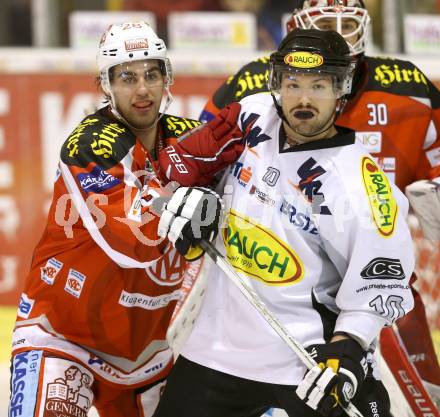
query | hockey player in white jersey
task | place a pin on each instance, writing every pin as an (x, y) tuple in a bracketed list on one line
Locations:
[(313, 226)]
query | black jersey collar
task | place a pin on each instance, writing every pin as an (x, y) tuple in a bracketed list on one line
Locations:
[(344, 137)]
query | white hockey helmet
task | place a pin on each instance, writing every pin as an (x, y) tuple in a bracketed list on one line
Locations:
[(128, 42), (312, 11)]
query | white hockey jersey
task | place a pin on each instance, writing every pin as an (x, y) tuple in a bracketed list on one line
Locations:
[(319, 232)]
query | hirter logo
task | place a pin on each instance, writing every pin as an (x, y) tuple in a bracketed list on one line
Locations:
[(383, 268)]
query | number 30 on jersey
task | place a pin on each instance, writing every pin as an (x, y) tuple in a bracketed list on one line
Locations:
[(378, 114)]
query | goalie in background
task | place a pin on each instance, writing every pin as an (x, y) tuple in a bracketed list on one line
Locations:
[(395, 110), (313, 226)]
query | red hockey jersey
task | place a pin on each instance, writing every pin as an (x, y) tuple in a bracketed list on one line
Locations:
[(101, 277)]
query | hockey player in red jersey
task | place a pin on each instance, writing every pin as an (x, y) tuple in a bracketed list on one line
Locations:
[(96, 305), (313, 227), (395, 110)]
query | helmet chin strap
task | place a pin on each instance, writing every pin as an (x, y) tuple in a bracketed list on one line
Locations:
[(327, 125), (119, 116)]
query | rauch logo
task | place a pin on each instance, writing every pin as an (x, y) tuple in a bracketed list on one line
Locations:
[(383, 206), (256, 251)]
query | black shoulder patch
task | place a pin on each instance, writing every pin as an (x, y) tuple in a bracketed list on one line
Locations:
[(97, 139), (250, 79), (264, 59), (396, 77), (175, 126)]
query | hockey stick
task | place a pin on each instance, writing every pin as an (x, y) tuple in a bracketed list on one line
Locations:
[(273, 322), (402, 376)]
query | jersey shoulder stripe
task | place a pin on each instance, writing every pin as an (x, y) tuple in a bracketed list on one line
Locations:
[(97, 139)]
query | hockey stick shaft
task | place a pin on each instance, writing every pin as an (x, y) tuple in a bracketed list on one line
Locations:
[(273, 322)]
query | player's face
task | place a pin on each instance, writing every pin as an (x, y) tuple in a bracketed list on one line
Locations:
[(138, 88), (348, 27), (308, 102)]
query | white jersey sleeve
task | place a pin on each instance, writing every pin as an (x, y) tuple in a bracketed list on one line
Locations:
[(368, 241)]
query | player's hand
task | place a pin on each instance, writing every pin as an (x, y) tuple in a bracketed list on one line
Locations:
[(191, 215), (205, 150), (340, 372)]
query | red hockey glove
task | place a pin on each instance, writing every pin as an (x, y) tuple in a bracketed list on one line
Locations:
[(341, 370), (205, 150), (192, 214)]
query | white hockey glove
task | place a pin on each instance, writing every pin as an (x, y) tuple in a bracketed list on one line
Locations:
[(334, 381), (192, 214), (424, 197)]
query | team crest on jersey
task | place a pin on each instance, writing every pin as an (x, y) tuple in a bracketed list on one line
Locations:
[(310, 185), (382, 203), (256, 251), (50, 270), (169, 269), (252, 134)]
